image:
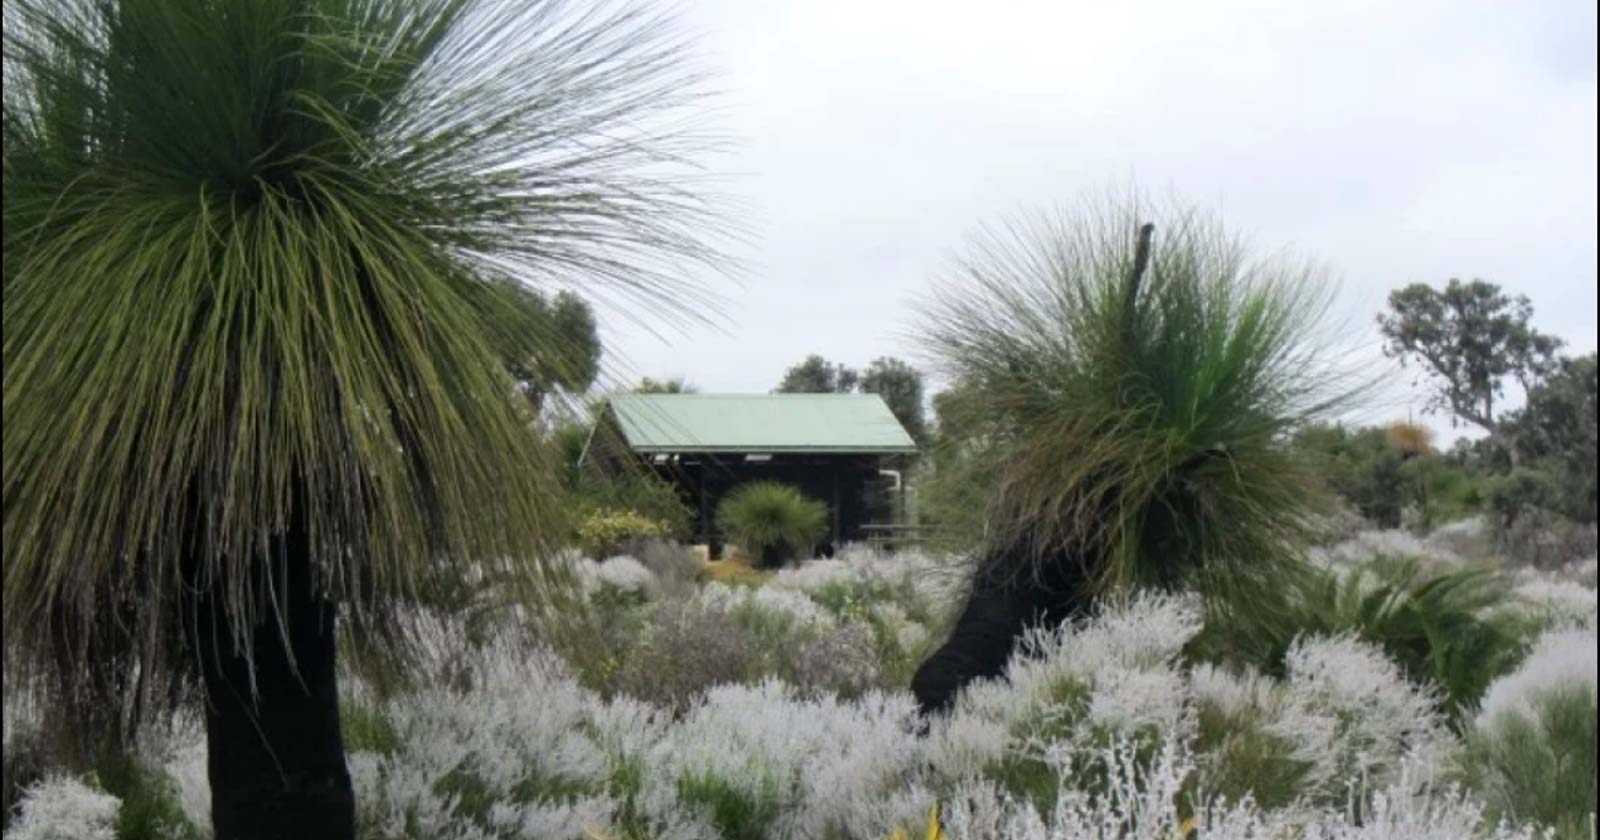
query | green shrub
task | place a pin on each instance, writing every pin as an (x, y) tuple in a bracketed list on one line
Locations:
[(1522, 491), (1539, 767), (1441, 629), (1244, 758), (367, 728), (772, 521), (150, 808), (1440, 491), (737, 812), (608, 532), (1362, 466), (640, 493)]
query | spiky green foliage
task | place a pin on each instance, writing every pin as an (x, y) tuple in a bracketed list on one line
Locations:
[(1446, 630), (1137, 420), (263, 264), (1538, 764), (764, 515)]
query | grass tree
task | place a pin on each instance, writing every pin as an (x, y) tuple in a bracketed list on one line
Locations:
[(1131, 382), (261, 275)]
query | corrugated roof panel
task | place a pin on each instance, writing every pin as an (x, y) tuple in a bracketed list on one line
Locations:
[(760, 423)]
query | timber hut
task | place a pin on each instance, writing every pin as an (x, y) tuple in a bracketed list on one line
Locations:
[(845, 450)]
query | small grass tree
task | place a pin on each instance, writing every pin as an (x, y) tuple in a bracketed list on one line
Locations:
[(1133, 385), (772, 521), (262, 273)]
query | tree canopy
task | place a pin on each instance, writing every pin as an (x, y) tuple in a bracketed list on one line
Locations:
[(816, 375), (568, 355), (1471, 339), (670, 385), (897, 382), (900, 385), (1557, 427)]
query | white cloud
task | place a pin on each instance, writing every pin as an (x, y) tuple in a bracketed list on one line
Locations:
[(1396, 142)]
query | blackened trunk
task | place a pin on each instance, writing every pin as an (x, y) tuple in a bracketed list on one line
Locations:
[(1004, 605), (277, 760)]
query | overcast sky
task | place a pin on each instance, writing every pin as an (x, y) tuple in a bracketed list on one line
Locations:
[(1396, 142)]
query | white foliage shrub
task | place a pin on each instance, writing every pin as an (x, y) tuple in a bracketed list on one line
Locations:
[(1353, 711), (1106, 710), (814, 767), (1562, 658), (1434, 555), (187, 769), (517, 741), (1416, 808), (622, 573), (62, 808), (1555, 601), (1153, 801)]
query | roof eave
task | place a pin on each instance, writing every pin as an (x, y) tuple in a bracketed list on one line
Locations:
[(647, 449)]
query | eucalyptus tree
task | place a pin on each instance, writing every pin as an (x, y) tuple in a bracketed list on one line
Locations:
[(1470, 340), (264, 267), (1134, 386)]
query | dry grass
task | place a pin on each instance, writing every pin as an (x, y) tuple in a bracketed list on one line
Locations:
[(736, 568)]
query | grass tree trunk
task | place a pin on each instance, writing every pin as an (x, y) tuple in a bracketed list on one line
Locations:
[(277, 759), (1011, 594)]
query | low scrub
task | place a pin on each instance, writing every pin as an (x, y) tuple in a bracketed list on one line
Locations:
[(608, 532), (708, 711), (1442, 628), (1531, 756)]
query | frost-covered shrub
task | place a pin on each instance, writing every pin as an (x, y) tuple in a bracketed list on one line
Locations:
[(733, 634), (63, 808), (1154, 799), (677, 569), (686, 648), (1471, 538), (835, 659), (765, 761), (1415, 808), (1536, 762), (1242, 750), (187, 769), (756, 712), (616, 582), (1532, 755), (510, 760), (1560, 659), (1074, 690), (1365, 545), (1342, 718), (1555, 602), (1352, 711), (860, 577)]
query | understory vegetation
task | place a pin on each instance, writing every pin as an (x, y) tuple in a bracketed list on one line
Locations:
[(1417, 693)]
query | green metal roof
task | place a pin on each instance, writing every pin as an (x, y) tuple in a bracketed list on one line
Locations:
[(823, 423)]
